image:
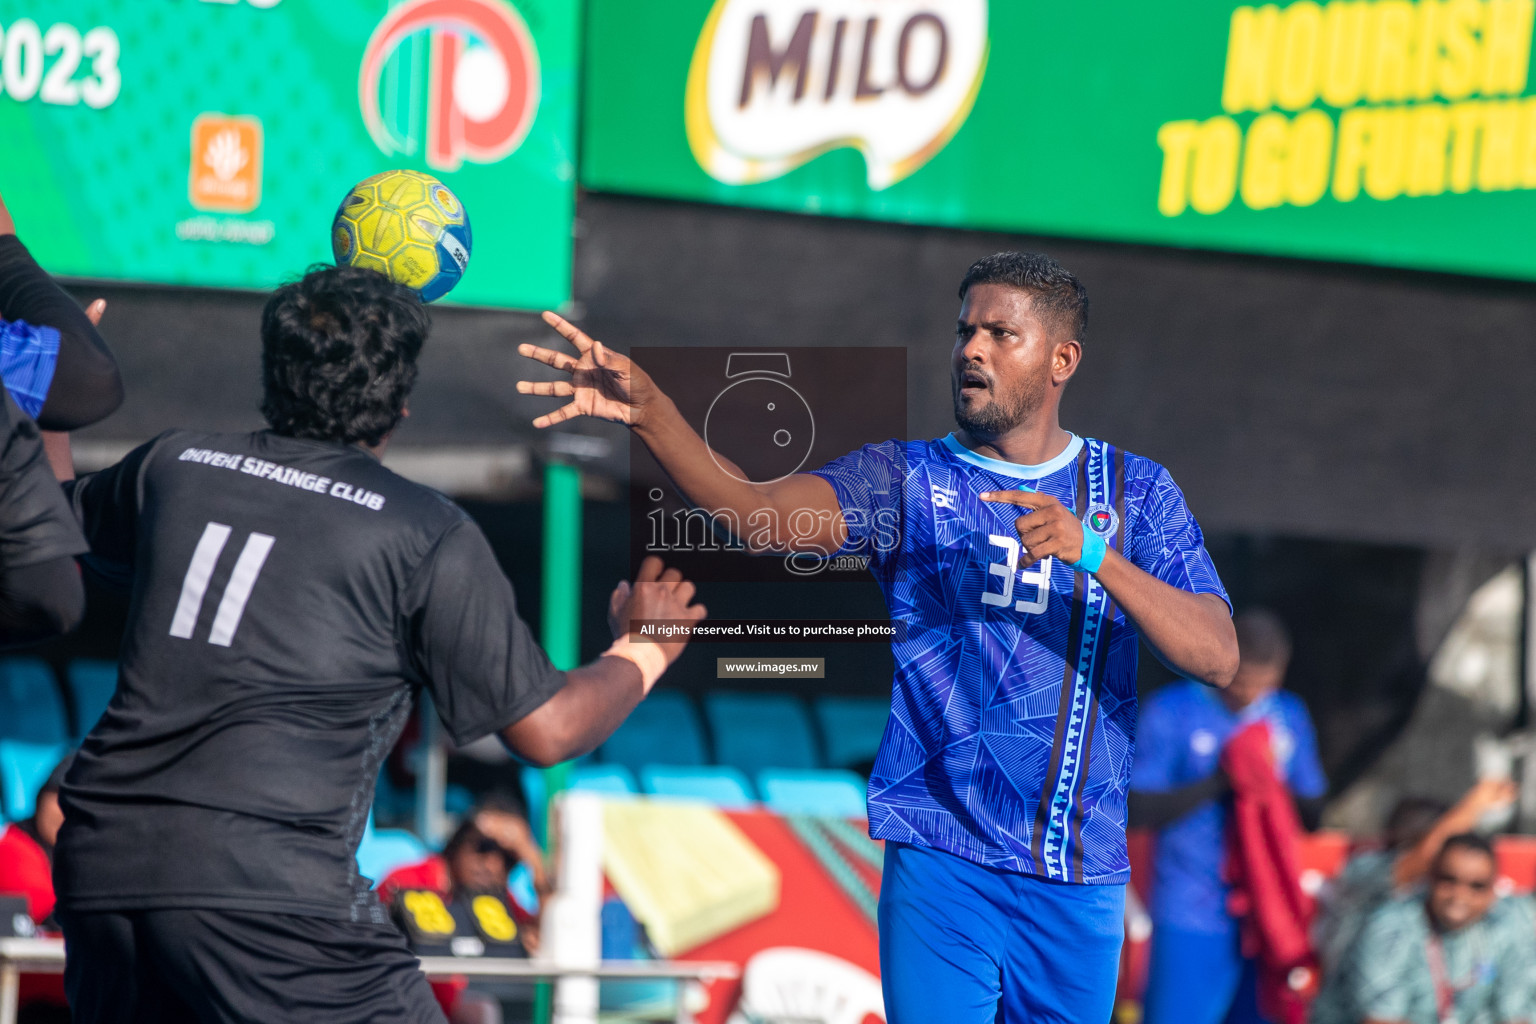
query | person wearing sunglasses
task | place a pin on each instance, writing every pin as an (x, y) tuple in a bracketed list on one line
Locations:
[(493, 839), (1452, 953)]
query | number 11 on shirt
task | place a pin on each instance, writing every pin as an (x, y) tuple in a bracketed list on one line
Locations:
[(236, 593)]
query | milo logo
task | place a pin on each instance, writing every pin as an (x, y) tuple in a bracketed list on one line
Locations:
[(776, 83)]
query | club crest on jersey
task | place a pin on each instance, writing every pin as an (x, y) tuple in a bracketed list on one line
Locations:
[(1102, 520)]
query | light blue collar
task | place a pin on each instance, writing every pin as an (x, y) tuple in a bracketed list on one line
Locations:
[(1015, 469)]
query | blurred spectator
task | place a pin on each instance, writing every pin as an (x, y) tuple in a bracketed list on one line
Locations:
[(1453, 954), (479, 857), (1416, 829), (26, 869), (1198, 974), (26, 850), (492, 841)]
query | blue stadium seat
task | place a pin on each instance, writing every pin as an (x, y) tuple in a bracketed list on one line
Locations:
[(830, 793), (92, 684), (664, 728), (851, 728), (386, 849), (613, 779), (24, 767), (723, 787), (754, 731), (30, 706)]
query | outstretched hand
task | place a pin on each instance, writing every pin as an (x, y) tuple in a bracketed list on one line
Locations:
[(658, 593), (602, 383), (1046, 529)]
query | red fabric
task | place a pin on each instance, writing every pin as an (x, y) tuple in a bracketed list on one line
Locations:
[(1264, 870), (431, 873), (25, 871)]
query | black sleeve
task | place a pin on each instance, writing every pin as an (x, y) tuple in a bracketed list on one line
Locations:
[(465, 640), (106, 504), (86, 384), (1147, 809), (40, 601), (35, 521)]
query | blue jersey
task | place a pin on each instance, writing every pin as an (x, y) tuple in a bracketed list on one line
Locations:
[(28, 355), (1183, 731), (1013, 708)]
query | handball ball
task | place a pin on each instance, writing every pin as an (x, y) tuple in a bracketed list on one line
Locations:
[(409, 227)]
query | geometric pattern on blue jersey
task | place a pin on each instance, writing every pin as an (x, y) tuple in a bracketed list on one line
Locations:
[(1013, 707), (24, 767), (753, 731), (851, 728), (828, 792), (664, 727), (28, 357), (31, 708), (718, 786), (92, 683)]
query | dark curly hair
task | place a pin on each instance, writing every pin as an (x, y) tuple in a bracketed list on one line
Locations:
[(1059, 296), (338, 355)]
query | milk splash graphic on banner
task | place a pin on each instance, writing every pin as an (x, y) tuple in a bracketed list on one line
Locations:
[(774, 84)]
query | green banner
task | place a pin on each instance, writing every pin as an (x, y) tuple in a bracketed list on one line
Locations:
[(209, 142), (1379, 131)]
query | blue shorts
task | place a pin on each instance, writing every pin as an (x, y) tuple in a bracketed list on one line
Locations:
[(967, 944), (1199, 978)]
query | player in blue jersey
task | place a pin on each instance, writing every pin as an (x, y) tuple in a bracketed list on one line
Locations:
[(1198, 973), (1025, 561)]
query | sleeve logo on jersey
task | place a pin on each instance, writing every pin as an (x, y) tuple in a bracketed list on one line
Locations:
[(1102, 520)]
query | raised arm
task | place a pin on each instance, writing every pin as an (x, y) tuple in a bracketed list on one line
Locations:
[(607, 385), (40, 590), (1488, 794), (83, 385), (599, 695), (1190, 633)]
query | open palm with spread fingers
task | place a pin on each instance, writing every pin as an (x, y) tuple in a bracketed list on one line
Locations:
[(602, 382)]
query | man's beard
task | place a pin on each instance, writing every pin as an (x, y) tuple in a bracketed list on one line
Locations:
[(995, 418)]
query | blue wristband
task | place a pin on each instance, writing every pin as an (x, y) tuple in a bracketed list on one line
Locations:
[(1093, 552)]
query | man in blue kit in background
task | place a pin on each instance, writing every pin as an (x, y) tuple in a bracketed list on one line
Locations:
[(1024, 563), (1198, 975)]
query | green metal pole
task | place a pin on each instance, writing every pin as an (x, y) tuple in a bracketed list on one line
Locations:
[(561, 594)]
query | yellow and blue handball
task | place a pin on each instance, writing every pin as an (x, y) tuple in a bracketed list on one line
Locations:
[(408, 226)]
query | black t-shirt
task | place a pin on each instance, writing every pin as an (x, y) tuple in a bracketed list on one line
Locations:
[(288, 598), (35, 522)]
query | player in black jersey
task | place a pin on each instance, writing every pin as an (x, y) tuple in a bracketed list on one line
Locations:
[(290, 596), (57, 369)]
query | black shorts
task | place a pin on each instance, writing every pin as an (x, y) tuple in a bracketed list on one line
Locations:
[(222, 967)]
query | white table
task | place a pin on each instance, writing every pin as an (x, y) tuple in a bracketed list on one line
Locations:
[(46, 956)]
